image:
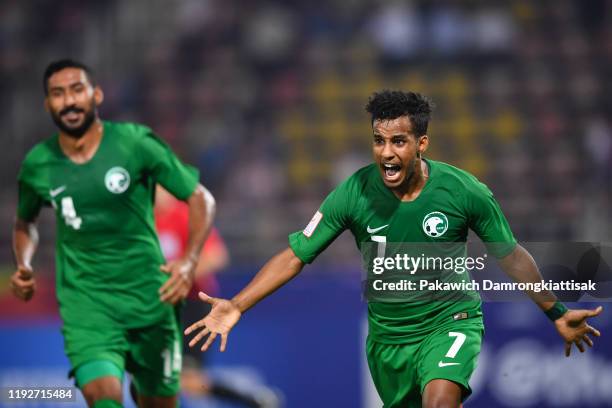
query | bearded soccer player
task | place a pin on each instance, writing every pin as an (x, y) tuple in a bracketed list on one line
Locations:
[(117, 296), (420, 353)]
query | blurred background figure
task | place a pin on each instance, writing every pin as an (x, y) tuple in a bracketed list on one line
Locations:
[(172, 224), (266, 97)]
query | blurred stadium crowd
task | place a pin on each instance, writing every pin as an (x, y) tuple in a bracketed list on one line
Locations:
[(266, 98)]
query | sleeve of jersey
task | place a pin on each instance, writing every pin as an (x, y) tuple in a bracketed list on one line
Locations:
[(329, 221), (29, 203), (166, 169), (488, 221)]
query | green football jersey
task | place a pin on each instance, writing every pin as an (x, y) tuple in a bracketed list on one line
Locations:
[(451, 202), (107, 252)]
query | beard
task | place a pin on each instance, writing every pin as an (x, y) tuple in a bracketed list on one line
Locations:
[(75, 131)]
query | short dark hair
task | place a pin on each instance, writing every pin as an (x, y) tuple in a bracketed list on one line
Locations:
[(391, 105), (58, 65)]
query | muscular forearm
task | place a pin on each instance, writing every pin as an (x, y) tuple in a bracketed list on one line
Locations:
[(25, 241), (201, 214), (521, 267), (275, 273)]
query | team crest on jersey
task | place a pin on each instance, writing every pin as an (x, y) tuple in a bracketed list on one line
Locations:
[(435, 224), (117, 180)]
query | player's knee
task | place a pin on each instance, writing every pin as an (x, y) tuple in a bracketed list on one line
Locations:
[(442, 393), (103, 392)]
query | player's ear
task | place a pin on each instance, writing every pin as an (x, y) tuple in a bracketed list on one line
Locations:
[(46, 104), (422, 144), (98, 95)]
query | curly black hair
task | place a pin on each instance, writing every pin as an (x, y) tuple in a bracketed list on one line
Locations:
[(58, 65), (388, 104)]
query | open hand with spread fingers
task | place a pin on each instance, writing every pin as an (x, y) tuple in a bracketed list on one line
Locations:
[(574, 329), (222, 318)]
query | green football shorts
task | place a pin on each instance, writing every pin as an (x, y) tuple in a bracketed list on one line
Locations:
[(401, 371), (152, 355)]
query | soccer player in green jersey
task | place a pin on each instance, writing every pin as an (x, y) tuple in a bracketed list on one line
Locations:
[(420, 353), (117, 296)]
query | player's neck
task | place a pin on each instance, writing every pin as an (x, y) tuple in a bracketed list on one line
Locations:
[(410, 190), (81, 150)]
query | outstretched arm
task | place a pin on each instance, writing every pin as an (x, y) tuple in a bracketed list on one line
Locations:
[(571, 324), (224, 314), (25, 241), (182, 271)]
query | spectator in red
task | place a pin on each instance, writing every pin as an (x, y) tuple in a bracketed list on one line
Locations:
[(172, 224)]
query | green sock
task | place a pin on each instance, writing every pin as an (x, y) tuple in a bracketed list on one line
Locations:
[(107, 403)]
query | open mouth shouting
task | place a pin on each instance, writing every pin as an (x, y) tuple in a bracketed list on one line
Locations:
[(391, 172)]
